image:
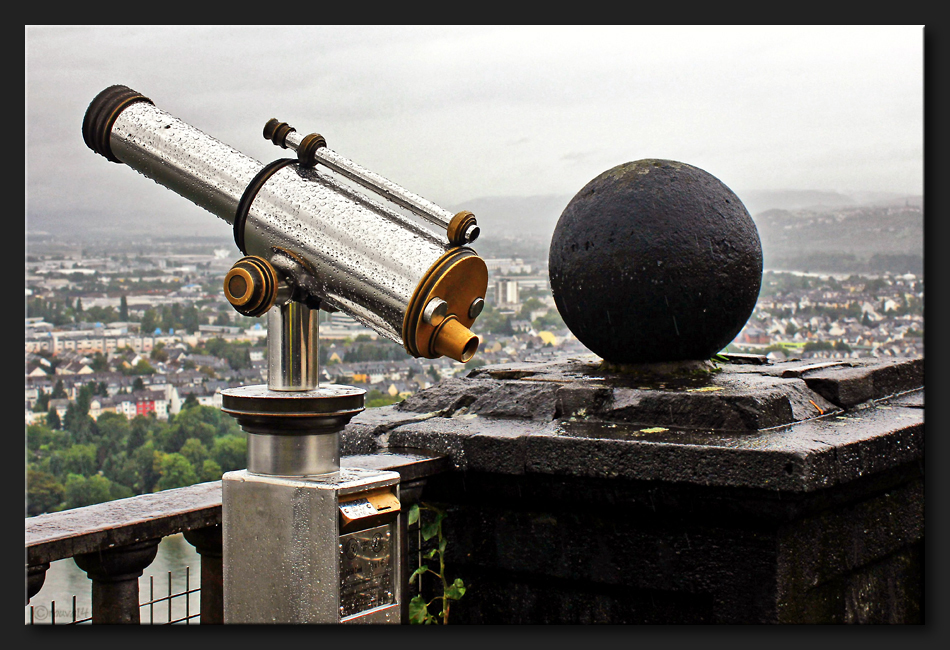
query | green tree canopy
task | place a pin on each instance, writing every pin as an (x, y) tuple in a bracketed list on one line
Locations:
[(175, 472), (42, 402), (230, 452), (44, 493), (85, 491), (194, 451), (38, 435), (52, 419), (210, 471), (79, 459)]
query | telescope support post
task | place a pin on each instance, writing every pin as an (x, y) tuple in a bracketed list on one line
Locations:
[(305, 541), (293, 334)]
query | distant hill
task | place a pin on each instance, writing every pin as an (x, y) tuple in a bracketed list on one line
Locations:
[(868, 238), (758, 201), (800, 230)]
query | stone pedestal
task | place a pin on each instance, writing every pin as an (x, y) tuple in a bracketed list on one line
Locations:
[(737, 492)]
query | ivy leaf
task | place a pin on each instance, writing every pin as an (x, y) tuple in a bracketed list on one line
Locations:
[(413, 514), (430, 530), (455, 590), (418, 613), (418, 572), (431, 553), (442, 543)]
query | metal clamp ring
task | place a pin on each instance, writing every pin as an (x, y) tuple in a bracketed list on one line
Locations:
[(244, 205)]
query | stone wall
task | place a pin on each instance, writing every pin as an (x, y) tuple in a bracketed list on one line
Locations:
[(739, 491)]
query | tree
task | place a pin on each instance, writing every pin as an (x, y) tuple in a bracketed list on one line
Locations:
[(42, 402), (140, 431), (194, 451), (114, 431), (38, 435), (52, 419), (80, 459), (230, 452), (149, 321), (44, 493), (85, 491), (159, 353), (190, 423), (142, 468), (175, 472), (142, 367), (59, 391), (79, 423), (123, 309), (210, 471)]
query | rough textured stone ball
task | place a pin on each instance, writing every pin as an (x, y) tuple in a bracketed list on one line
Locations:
[(655, 260)]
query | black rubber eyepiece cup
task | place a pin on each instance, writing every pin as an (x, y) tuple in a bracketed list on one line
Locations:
[(101, 115)]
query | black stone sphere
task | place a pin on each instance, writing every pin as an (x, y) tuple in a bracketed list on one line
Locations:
[(655, 260)]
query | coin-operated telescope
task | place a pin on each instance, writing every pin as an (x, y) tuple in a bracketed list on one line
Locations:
[(304, 540)]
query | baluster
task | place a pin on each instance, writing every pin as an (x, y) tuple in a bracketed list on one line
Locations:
[(35, 577), (115, 576), (207, 541)]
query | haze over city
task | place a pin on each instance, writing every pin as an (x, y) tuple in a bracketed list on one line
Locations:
[(460, 114)]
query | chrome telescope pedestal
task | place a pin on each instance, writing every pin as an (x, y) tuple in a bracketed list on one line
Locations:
[(304, 540)]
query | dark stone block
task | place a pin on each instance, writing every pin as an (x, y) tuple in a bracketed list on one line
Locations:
[(523, 399), (361, 436), (583, 492), (447, 396), (864, 381)]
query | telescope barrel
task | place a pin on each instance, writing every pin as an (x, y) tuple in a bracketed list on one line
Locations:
[(367, 260)]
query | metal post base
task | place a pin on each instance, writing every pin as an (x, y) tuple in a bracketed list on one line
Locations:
[(286, 559), (293, 433)]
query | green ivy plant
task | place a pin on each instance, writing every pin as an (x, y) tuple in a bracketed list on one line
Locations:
[(418, 608)]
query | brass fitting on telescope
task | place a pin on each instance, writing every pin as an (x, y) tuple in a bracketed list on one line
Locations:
[(277, 132), (459, 226), (251, 286), (460, 279)]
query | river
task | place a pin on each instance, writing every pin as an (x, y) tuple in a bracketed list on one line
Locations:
[(64, 580)]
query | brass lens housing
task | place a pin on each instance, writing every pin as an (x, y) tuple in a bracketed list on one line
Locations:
[(458, 277), (251, 285)]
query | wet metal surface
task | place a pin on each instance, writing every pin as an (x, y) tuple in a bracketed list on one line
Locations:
[(366, 258)]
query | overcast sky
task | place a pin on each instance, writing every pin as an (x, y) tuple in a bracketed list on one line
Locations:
[(458, 113)]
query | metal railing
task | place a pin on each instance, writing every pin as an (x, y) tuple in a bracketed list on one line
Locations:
[(114, 542), (41, 614)]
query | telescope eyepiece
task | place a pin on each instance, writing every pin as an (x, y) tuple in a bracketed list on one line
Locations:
[(101, 115)]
